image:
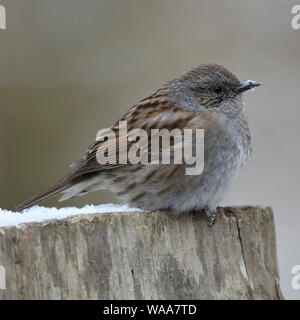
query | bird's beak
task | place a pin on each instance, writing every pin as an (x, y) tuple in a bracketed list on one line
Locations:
[(247, 85)]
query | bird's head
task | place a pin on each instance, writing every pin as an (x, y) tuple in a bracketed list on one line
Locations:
[(210, 87)]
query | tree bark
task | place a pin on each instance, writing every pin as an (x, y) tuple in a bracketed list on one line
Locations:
[(144, 255)]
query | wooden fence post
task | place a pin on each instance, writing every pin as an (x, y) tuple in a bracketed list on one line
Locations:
[(140, 255)]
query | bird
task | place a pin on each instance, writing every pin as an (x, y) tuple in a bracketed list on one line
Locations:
[(207, 97)]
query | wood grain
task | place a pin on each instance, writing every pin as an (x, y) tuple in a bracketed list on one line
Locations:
[(134, 255)]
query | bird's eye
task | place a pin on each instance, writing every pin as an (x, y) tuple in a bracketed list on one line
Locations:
[(218, 90)]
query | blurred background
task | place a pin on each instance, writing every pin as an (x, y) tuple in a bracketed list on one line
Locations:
[(69, 68)]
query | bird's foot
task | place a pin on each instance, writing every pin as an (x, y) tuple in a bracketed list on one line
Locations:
[(211, 215)]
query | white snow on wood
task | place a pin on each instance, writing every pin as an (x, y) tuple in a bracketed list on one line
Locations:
[(40, 214)]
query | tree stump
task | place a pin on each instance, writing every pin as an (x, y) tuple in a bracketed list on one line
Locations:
[(141, 255)]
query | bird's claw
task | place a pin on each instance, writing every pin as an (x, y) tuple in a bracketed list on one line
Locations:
[(211, 215)]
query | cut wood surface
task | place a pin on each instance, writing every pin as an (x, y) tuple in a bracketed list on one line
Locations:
[(140, 255)]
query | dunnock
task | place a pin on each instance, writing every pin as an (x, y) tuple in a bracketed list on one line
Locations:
[(206, 97)]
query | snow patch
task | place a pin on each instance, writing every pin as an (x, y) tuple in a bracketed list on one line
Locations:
[(40, 214), (251, 82)]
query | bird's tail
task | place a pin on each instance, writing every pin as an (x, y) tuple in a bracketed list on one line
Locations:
[(60, 186)]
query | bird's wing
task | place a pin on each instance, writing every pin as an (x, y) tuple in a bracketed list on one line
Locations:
[(151, 113), (155, 112), (145, 115)]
